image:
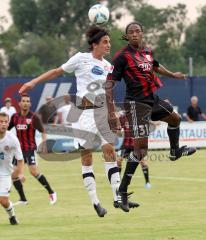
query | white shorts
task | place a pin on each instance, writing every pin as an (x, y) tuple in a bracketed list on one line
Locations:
[(5, 186), (92, 129)]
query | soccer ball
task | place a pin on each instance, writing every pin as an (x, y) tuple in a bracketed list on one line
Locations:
[(98, 14)]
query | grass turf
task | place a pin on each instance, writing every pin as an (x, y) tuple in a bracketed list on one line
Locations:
[(173, 209)]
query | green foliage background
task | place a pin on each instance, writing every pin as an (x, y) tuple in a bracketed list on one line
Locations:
[(45, 34)]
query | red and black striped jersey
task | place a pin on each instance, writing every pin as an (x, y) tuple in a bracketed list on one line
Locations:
[(128, 139), (136, 67), (26, 127)]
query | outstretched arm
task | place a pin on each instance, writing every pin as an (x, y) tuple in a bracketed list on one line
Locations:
[(163, 71), (112, 117), (51, 74)]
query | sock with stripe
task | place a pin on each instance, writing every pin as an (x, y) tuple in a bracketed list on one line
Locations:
[(112, 172), (10, 210), (42, 179), (89, 183)]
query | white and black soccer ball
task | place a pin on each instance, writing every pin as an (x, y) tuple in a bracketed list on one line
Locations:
[(98, 14)]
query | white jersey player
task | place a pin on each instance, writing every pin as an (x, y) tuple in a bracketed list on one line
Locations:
[(9, 148), (91, 74), (92, 128)]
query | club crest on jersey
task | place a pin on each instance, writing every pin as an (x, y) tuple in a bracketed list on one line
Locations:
[(109, 68), (97, 70), (148, 57), (28, 121)]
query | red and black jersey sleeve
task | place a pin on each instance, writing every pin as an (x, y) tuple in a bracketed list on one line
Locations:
[(119, 62), (37, 123)]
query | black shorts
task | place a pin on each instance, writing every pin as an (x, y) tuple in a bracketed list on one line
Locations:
[(29, 158), (139, 113)]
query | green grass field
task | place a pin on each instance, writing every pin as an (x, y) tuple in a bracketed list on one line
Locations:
[(174, 209)]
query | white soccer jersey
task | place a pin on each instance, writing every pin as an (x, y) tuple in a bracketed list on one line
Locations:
[(90, 73), (9, 148)]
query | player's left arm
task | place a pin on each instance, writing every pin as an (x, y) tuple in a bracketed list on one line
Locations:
[(20, 160), (39, 126), (165, 72)]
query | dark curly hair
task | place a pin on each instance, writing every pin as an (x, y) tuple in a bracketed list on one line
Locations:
[(94, 35)]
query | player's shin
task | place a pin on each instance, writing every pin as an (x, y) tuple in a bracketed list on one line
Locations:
[(112, 172), (19, 187), (42, 179), (145, 171), (10, 210), (131, 166), (89, 183), (173, 133)]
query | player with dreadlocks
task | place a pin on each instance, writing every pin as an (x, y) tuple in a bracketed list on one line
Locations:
[(136, 65)]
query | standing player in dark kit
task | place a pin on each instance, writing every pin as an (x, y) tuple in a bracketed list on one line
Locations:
[(26, 124), (136, 65)]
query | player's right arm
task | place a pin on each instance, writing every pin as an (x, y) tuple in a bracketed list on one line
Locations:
[(49, 75), (69, 67)]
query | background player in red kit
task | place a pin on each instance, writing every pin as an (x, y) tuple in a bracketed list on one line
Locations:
[(26, 124)]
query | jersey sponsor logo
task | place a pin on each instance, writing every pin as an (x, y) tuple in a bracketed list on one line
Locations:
[(1, 156), (148, 57), (21, 127), (97, 70), (145, 66)]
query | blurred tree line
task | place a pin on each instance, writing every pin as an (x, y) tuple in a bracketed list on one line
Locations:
[(45, 34)]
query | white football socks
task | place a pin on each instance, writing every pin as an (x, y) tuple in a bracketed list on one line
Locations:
[(89, 183), (112, 172)]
